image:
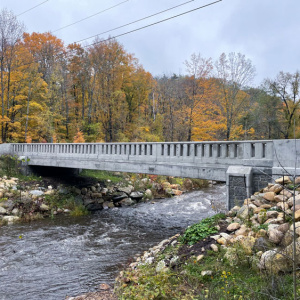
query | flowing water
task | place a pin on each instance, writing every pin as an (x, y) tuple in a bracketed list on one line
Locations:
[(52, 258)]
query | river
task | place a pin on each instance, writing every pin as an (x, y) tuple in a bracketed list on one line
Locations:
[(52, 258)]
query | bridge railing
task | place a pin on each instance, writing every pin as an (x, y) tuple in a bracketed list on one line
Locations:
[(236, 152)]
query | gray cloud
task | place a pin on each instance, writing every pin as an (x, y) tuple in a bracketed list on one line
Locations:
[(265, 31)]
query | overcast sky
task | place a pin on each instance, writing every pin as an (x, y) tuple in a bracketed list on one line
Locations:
[(266, 31)]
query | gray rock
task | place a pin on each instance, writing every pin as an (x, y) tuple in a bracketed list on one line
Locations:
[(77, 191), (8, 204), (94, 206), (127, 189), (136, 195), (262, 244), (287, 239), (128, 202), (3, 211), (15, 211), (10, 219), (36, 193), (118, 197)]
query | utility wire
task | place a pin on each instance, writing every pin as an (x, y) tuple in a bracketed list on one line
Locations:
[(31, 8), (158, 13), (100, 12), (152, 24), (137, 29)]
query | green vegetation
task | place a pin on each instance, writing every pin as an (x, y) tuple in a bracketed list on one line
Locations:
[(79, 210), (201, 230), (61, 201), (10, 166)]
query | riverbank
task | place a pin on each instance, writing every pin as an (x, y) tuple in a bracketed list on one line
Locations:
[(32, 198), (246, 254)]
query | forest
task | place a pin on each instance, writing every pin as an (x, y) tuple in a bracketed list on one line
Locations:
[(52, 92)]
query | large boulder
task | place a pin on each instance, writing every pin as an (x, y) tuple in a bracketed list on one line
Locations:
[(274, 262), (283, 180), (136, 195), (233, 226), (275, 236), (270, 196), (276, 188), (243, 212)]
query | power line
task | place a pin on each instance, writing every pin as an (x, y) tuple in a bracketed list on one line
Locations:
[(152, 24), (137, 29), (158, 13), (31, 8), (100, 12)]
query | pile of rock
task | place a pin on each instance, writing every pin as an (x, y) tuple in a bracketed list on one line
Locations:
[(261, 230), (97, 197), (17, 201), (263, 226)]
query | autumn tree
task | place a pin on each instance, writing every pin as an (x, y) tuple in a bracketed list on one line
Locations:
[(264, 115), (11, 31), (286, 87), (47, 51), (233, 72), (197, 86), (106, 99), (170, 101)]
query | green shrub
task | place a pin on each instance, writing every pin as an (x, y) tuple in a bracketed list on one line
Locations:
[(79, 211), (201, 230)]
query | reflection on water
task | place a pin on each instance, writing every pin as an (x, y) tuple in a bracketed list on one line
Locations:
[(50, 259)]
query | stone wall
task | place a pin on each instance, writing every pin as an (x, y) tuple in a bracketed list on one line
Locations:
[(260, 181), (237, 190)]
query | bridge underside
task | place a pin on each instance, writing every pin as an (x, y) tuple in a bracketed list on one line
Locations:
[(209, 172), (241, 181)]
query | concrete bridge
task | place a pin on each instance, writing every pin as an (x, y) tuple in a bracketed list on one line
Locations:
[(245, 166)]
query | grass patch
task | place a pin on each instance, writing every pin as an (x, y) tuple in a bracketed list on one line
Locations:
[(186, 282), (102, 175)]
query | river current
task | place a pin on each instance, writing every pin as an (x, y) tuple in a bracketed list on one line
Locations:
[(52, 258)]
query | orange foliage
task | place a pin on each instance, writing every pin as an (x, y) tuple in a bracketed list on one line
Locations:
[(79, 138)]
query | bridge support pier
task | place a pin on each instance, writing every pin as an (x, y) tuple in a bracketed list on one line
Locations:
[(243, 181)]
